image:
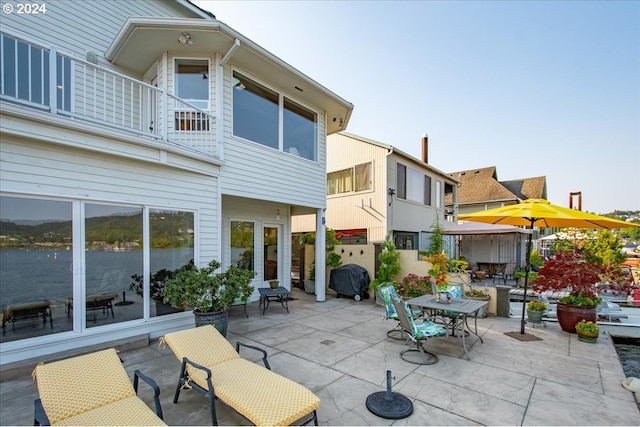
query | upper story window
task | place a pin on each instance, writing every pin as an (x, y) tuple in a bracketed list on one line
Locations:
[(24, 74), (256, 117), (357, 178), (413, 185), (192, 82)]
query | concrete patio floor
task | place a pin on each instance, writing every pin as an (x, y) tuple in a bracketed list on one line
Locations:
[(339, 349)]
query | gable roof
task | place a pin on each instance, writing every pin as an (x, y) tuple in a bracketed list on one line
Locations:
[(528, 188), (482, 185)]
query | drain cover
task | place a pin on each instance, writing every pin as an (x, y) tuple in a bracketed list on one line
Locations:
[(388, 404)]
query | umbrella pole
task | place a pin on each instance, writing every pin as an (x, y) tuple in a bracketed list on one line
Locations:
[(527, 268)]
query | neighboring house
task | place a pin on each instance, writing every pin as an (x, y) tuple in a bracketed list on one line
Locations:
[(138, 136), (374, 189), (480, 190)]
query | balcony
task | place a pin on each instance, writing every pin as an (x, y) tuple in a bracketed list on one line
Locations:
[(46, 79)]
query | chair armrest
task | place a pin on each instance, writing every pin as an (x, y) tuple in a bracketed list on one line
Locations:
[(39, 416), (264, 353), (156, 390), (186, 361)]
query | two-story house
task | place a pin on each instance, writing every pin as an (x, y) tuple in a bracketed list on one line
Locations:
[(375, 189), (138, 137)]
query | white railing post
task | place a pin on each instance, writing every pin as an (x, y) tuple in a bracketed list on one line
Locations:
[(53, 81)]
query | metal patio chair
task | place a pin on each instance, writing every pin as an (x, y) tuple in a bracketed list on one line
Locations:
[(386, 292), (417, 333)]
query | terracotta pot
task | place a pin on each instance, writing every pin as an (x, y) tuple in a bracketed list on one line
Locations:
[(570, 315)]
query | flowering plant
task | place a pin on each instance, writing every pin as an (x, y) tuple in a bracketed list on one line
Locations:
[(438, 270), (587, 327), (415, 285), (537, 306)]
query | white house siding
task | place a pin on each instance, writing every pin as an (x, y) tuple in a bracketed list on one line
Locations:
[(289, 178), (406, 215), (366, 209), (91, 27)]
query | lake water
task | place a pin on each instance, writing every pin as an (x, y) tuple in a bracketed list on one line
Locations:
[(629, 354), (34, 275)]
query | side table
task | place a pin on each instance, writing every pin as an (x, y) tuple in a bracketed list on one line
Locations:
[(280, 295)]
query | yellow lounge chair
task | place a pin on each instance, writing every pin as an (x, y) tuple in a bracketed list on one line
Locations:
[(93, 389), (211, 366)]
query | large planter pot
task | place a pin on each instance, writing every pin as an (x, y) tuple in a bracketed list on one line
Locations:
[(219, 319), (570, 315), (310, 286), (535, 316)]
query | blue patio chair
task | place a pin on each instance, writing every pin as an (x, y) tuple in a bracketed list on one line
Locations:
[(385, 292), (417, 333)]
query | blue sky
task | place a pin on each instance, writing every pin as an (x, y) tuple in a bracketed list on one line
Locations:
[(534, 88)]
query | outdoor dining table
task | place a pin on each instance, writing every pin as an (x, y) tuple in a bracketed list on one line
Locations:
[(459, 309)]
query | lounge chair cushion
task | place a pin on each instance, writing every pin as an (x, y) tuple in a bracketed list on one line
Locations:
[(125, 412), (72, 388), (262, 396)]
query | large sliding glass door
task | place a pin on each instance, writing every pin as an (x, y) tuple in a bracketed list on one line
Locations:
[(118, 273), (36, 267)]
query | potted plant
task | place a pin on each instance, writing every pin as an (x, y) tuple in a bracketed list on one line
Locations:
[(520, 275), (332, 260), (535, 311), (310, 281), (573, 272), (389, 266), (209, 294), (479, 295), (587, 331)]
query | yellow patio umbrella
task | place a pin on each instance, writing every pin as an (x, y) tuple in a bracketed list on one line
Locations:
[(541, 213)]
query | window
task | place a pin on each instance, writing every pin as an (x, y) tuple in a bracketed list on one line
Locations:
[(41, 269), (402, 182), (242, 244), (413, 185), (192, 82), (256, 117), (438, 194), (24, 74), (352, 237), (300, 130), (358, 178), (405, 241), (171, 244), (35, 260), (427, 190)]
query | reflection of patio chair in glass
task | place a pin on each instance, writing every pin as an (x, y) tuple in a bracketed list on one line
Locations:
[(96, 302), (385, 292), (417, 332)]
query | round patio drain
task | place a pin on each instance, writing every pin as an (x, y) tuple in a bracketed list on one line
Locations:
[(389, 404)]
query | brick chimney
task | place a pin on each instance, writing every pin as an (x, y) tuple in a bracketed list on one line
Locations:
[(425, 148)]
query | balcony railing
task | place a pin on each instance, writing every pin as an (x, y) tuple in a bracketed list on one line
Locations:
[(85, 91)]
